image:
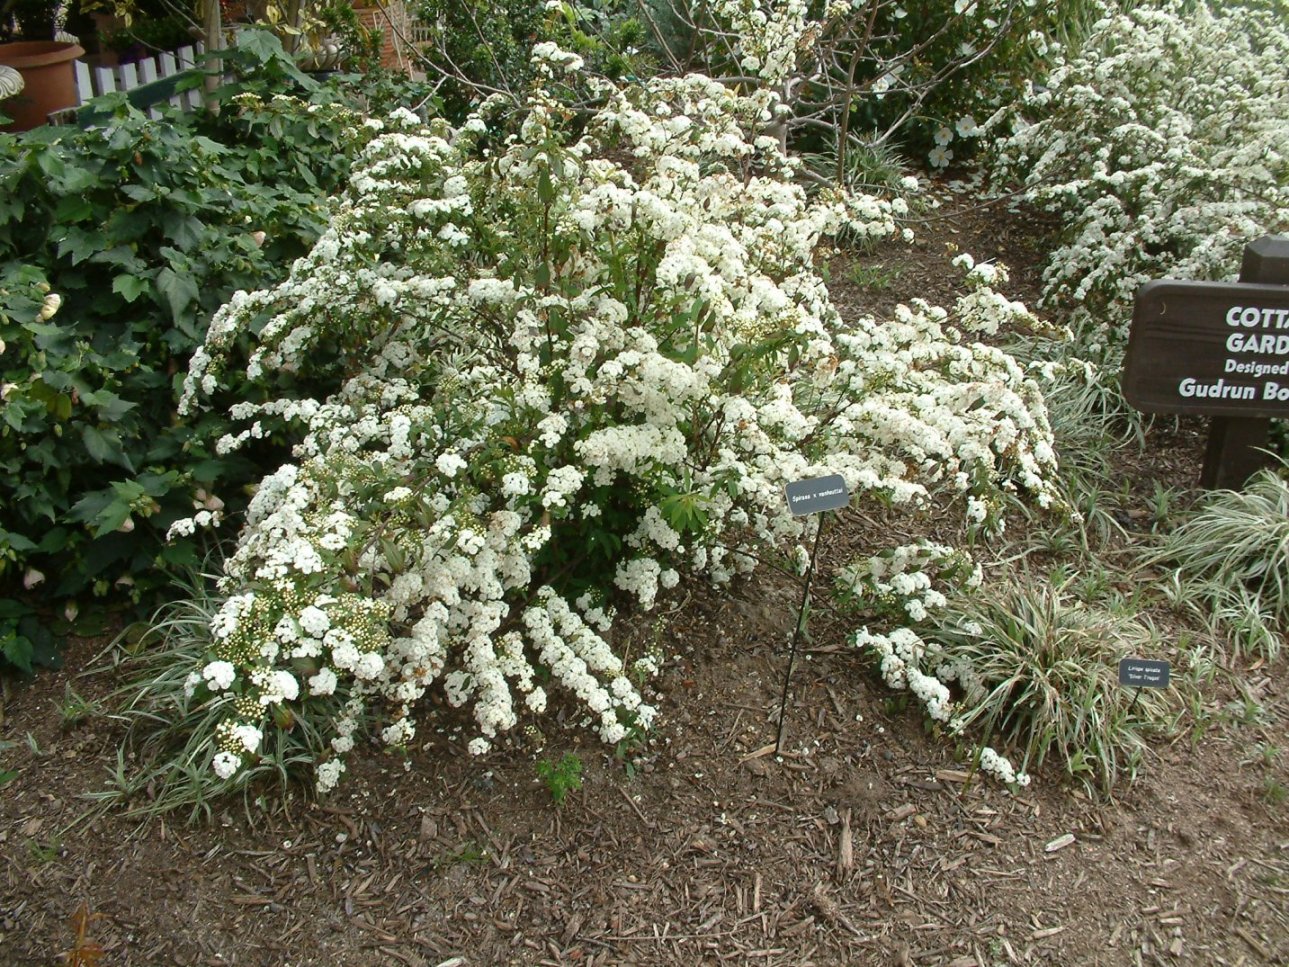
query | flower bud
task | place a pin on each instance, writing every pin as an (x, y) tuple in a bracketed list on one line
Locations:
[(32, 578), (49, 307)]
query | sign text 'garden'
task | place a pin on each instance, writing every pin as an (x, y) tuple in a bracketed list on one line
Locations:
[(1215, 348)]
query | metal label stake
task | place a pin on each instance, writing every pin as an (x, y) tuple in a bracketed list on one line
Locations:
[(1142, 673), (815, 496)]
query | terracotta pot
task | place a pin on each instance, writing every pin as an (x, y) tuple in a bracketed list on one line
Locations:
[(48, 71)]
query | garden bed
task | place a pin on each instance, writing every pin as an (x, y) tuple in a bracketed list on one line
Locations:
[(869, 843)]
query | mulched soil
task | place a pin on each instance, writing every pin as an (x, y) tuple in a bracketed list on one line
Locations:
[(867, 843)]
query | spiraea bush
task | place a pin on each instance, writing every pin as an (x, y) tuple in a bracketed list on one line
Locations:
[(568, 366), (1161, 145), (918, 73)]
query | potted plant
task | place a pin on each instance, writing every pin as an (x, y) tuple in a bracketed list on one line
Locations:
[(46, 63)]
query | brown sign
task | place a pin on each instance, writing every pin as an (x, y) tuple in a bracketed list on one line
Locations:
[(1215, 348)]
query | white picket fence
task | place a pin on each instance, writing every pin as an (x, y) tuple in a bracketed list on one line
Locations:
[(95, 81)]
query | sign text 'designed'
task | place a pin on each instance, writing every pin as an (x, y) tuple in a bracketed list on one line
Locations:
[(1214, 348)]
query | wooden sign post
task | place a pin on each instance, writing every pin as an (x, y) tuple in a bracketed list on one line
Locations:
[(1218, 349)]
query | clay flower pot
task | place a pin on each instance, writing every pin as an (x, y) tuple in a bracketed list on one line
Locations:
[(49, 76)]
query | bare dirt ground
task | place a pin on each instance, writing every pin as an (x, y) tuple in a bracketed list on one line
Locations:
[(866, 844)]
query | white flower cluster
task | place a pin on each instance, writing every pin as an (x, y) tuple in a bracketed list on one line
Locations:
[(605, 384), (909, 663), (902, 656), (1163, 146), (823, 58), (905, 577), (771, 33), (1000, 767)]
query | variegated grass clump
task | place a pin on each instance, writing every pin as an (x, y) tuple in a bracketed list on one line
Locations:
[(1045, 677), (1027, 668), (1230, 563)]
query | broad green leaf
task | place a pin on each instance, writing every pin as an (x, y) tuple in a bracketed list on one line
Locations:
[(16, 650), (51, 164), (104, 447), (179, 292), (123, 255), (18, 542), (129, 287), (138, 193), (185, 231), (73, 208), (80, 244), (111, 517), (110, 407), (90, 506)]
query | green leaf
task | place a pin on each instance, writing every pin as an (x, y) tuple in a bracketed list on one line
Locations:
[(51, 164), (129, 287), (122, 255), (185, 231), (53, 540), (80, 244), (179, 291), (104, 447), (684, 512), (138, 193), (73, 208), (111, 518), (16, 650), (110, 407), (89, 507), (44, 650), (78, 181), (16, 541), (56, 379)]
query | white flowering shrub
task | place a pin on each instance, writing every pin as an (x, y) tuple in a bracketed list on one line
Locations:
[(1162, 146), (857, 73), (568, 368)]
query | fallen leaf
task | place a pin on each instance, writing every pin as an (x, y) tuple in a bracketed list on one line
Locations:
[(1059, 843)]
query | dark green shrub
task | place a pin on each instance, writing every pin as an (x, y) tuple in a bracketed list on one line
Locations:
[(117, 244)]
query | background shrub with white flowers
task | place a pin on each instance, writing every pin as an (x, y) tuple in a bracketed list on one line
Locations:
[(567, 367), (858, 76), (1162, 146)]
